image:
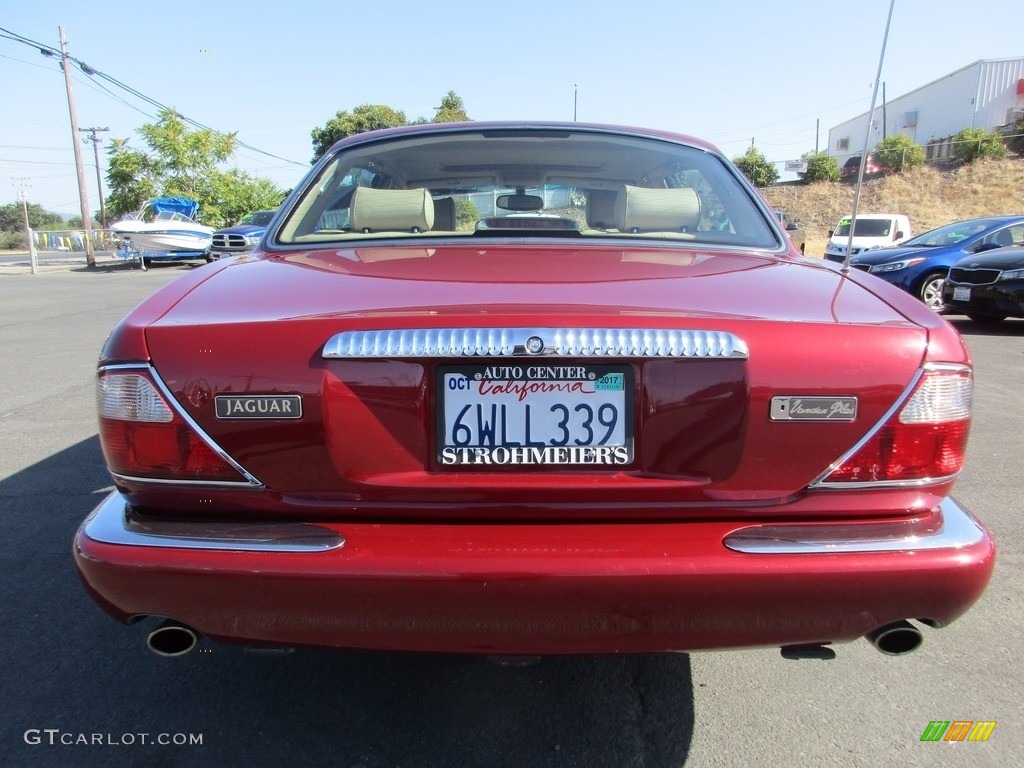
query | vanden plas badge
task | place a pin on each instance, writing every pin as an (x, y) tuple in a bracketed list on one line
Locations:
[(813, 408), (259, 406)]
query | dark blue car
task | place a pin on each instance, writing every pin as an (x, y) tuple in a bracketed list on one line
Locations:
[(920, 265)]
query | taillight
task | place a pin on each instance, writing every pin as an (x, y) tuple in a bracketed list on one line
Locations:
[(924, 439), (143, 436)]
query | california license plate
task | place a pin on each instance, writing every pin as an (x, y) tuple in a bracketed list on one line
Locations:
[(961, 294), (535, 414)]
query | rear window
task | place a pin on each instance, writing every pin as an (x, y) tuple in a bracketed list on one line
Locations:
[(526, 183)]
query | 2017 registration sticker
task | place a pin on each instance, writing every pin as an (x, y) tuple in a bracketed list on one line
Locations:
[(535, 415)]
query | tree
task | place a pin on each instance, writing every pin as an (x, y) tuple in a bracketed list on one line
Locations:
[(821, 166), (184, 162), (133, 177), (365, 117), (899, 153), (12, 218), (452, 110), (975, 143), (756, 167), (466, 213), (372, 117)]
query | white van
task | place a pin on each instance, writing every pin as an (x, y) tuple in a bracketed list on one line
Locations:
[(873, 230)]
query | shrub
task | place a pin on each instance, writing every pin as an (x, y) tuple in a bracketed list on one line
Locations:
[(821, 166), (756, 167), (13, 241), (975, 143), (899, 153), (466, 214), (1015, 142)]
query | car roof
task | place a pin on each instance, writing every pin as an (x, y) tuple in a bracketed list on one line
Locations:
[(478, 126)]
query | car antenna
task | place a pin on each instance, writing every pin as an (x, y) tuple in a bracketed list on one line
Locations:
[(867, 136)]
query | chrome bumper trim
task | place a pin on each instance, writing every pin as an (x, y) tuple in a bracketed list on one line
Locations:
[(113, 523), (958, 529)]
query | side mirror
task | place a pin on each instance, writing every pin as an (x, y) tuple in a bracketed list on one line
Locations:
[(792, 226), (899, 235), (831, 232)]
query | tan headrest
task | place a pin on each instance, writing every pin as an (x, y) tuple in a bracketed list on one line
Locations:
[(642, 209), (391, 210)]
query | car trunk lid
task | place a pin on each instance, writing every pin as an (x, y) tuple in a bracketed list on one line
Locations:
[(700, 427)]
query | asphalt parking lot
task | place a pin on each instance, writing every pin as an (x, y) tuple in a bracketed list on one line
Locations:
[(72, 674)]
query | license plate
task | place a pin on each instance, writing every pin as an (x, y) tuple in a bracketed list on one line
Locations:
[(961, 294), (536, 414)]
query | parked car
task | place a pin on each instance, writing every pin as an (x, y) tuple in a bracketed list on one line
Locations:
[(793, 229), (852, 166), (873, 230), (615, 426), (243, 236), (988, 287), (921, 264)]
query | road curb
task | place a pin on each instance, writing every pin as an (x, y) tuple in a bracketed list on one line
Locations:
[(104, 262)]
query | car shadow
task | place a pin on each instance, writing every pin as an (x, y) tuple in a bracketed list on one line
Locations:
[(128, 265), (81, 672)]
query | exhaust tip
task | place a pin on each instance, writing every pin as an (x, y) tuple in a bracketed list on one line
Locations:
[(172, 638), (896, 639)]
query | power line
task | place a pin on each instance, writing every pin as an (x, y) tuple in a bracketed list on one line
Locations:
[(50, 51)]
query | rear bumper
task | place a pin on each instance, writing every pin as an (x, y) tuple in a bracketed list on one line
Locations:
[(535, 588)]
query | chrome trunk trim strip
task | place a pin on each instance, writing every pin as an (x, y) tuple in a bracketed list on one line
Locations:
[(958, 529), (513, 342), (112, 522)]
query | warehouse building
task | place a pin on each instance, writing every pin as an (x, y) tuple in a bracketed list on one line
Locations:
[(987, 94)]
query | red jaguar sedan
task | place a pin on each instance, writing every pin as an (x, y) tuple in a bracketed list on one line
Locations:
[(532, 388)]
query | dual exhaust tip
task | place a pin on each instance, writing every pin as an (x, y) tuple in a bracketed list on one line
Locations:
[(172, 638)]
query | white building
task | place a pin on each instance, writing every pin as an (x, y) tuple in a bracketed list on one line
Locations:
[(987, 94)]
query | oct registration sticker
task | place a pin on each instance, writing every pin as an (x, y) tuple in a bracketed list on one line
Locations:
[(535, 414)]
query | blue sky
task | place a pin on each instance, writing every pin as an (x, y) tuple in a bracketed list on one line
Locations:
[(780, 74)]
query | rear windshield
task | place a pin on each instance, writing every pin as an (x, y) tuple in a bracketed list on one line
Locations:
[(529, 183)]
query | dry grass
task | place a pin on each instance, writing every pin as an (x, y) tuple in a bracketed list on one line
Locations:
[(930, 197)]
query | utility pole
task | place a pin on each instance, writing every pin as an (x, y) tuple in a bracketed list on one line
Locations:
[(83, 198), (22, 183), (883, 111), (92, 137)]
